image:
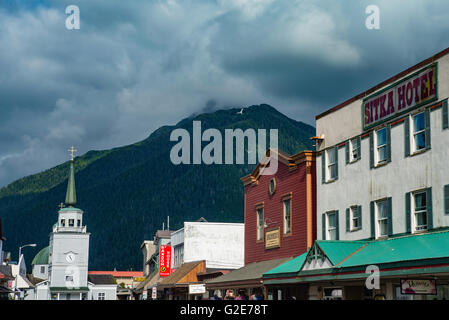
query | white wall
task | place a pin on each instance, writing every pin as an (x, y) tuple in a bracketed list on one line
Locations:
[(37, 271), (109, 290), (220, 244), (61, 243), (357, 184)]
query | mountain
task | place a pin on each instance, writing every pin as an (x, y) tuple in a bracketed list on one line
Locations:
[(126, 193)]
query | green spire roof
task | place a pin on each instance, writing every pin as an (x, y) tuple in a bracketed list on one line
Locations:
[(41, 257), (70, 197)]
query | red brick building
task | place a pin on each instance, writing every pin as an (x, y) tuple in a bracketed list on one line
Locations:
[(280, 218)]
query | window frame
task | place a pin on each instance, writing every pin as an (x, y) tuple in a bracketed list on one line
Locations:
[(383, 146), (415, 212), (357, 149), (380, 220), (329, 229), (353, 217), (71, 223), (329, 164), (259, 224), (414, 133), (289, 200), (101, 295)]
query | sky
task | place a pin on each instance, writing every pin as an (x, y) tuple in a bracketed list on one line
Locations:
[(136, 65)]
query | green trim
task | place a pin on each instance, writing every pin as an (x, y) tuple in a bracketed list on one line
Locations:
[(393, 85), (67, 289)]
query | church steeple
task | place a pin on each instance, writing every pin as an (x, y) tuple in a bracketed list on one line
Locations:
[(70, 197)]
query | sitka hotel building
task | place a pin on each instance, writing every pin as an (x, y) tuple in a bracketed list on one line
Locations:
[(382, 191), (383, 158)]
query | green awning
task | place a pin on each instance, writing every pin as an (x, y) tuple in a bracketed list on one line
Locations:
[(419, 253), (292, 266)]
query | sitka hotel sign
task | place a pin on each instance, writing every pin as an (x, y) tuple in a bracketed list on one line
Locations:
[(406, 94)]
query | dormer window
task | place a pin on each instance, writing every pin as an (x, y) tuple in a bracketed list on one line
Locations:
[(71, 222)]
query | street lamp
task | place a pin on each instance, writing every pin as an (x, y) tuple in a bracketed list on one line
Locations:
[(18, 267)]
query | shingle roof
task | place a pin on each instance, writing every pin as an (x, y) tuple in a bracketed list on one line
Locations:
[(251, 271), (120, 274), (182, 271), (101, 279), (163, 233)]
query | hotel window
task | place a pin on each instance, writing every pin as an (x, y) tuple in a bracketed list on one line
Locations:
[(418, 210), (445, 115), (354, 218), (353, 151), (417, 133), (71, 222), (287, 216), (259, 223), (330, 225), (380, 147), (332, 163), (101, 296), (381, 218)]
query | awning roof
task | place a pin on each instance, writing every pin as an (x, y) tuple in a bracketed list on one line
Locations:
[(294, 265), (419, 250), (252, 271), (182, 272)]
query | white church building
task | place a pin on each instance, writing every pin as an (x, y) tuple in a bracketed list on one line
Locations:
[(63, 265)]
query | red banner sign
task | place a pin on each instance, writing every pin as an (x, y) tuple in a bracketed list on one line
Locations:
[(164, 261)]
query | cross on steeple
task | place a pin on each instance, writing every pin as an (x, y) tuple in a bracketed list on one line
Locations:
[(61, 205), (72, 151)]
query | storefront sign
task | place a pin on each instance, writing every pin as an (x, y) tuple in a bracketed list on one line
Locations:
[(139, 279), (197, 288), (164, 261), (154, 293), (409, 93), (273, 238), (418, 286)]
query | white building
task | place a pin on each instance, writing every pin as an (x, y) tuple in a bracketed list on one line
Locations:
[(66, 275), (383, 155), (221, 245), (383, 188)]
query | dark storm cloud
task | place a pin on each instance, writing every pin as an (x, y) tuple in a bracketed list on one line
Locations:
[(136, 65)]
